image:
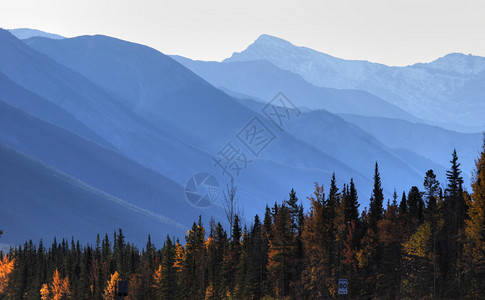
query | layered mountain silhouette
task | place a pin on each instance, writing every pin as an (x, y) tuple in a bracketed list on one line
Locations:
[(97, 120), (25, 33), (263, 80), (424, 90)]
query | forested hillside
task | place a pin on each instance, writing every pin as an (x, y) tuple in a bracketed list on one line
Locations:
[(427, 243)]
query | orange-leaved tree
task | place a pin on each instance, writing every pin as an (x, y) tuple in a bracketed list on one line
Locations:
[(58, 289), (475, 233), (6, 267), (110, 290)]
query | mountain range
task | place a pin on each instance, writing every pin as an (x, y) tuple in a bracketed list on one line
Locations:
[(430, 91), (96, 120)]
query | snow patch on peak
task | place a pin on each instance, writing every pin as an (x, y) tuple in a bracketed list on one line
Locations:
[(458, 63), (272, 40)]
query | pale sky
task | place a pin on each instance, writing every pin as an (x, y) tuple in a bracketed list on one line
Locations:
[(393, 32)]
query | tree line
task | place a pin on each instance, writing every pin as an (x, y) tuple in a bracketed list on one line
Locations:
[(425, 244)]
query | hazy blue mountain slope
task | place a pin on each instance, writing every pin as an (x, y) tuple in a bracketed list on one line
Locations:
[(263, 80), (348, 142), (469, 100), (193, 111), (38, 202), (98, 110), (98, 167), (25, 33), (35, 105), (433, 143), (153, 85), (423, 90), (170, 96), (422, 164)]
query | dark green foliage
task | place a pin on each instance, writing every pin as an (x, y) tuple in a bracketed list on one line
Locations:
[(375, 207), (429, 245), (415, 207)]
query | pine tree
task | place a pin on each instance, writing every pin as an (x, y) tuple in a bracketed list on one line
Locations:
[(415, 207), (242, 283), (164, 277), (280, 253), (217, 247), (195, 260), (451, 236), (232, 259), (315, 248), (179, 268), (431, 215), (352, 205), (369, 256), (266, 237), (375, 208), (403, 207), (431, 187), (454, 201), (390, 235)]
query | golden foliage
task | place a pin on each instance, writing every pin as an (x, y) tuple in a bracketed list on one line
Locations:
[(210, 292), (44, 292), (419, 244), (6, 267), (59, 289), (474, 247), (157, 279), (110, 290), (179, 257), (475, 224)]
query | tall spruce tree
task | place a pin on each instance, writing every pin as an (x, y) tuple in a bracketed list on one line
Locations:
[(431, 188), (415, 206), (281, 251), (376, 201), (352, 204), (452, 237)]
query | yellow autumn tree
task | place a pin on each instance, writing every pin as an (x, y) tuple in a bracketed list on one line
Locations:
[(59, 289), (179, 257), (418, 261), (110, 290), (6, 267), (44, 292), (475, 233), (210, 292), (158, 281)]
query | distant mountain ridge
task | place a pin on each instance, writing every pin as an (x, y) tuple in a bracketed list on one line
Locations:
[(424, 90), (263, 80), (25, 33)]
